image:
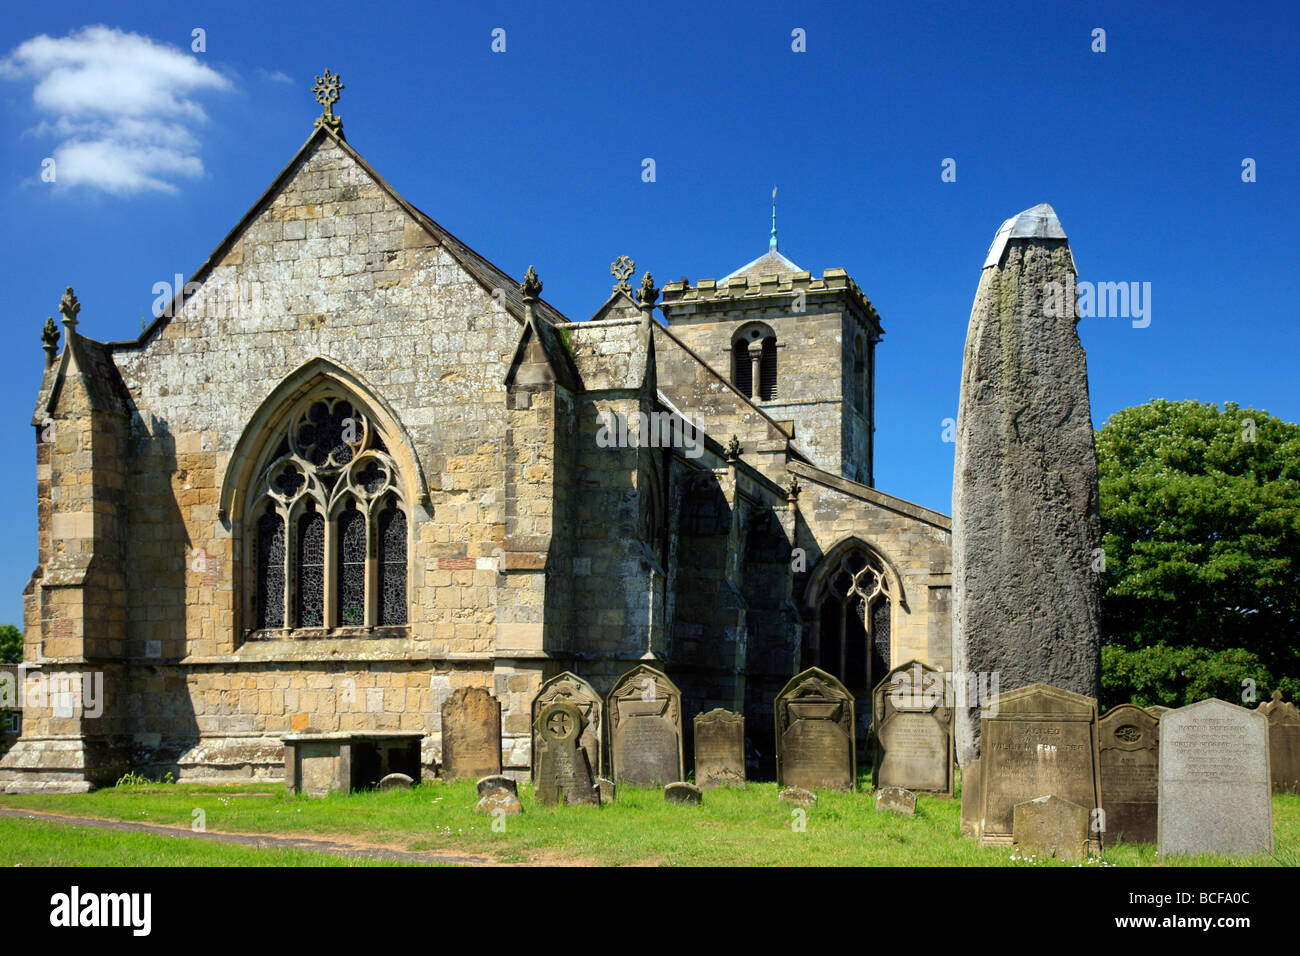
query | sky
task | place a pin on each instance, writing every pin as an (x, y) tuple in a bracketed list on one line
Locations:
[(162, 137)]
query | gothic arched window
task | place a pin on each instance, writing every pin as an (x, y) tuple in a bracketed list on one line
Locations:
[(852, 634), (329, 528)]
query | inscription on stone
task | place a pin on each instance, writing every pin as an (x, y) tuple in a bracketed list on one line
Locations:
[(471, 734), (1215, 791), (645, 722), (815, 746), (573, 689), (719, 749), (912, 730), (1127, 739), (1037, 741)]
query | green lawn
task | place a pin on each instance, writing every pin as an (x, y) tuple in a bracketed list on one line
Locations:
[(733, 828)]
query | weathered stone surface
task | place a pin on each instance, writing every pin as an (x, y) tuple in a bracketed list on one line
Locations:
[(605, 787), (492, 781), (719, 749), (912, 729), (1156, 711), (1128, 740), (972, 804), (798, 796), (1215, 789), (1026, 527), (896, 800), (1038, 741), (815, 733), (564, 775), (645, 722), (1283, 743), (500, 799), (1051, 827), (573, 689), (396, 781), (471, 734), (681, 792)]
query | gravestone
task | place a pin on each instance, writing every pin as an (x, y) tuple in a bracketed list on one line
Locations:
[(1283, 743), (971, 804), (396, 781), (471, 734), (815, 746), (501, 799), (913, 730), (1215, 791), (644, 711), (798, 796), (563, 771), (1026, 529), (1156, 711), (1127, 741), (573, 689), (896, 800), (683, 793), (606, 788), (1051, 827), (1038, 741), (719, 749), (492, 781)]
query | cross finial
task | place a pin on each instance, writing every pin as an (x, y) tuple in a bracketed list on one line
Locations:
[(69, 307), (772, 242), (621, 268), (327, 91)]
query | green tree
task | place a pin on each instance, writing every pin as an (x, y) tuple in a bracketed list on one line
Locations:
[(1200, 512), (11, 644)]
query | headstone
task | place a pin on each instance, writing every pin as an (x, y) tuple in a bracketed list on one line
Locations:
[(798, 796), (500, 799), (683, 793), (563, 773), (1283, 743), (912, 727), (719, 749), (1156, 711), (1215, 791), (1049, 827), (896, 800), (815, 746), (492, 781), (605, 787), (471, 734), (1038, 741), (1026, 530), (645, 727), (573, 689), (971, 804), (1127, 741), (396, 781)]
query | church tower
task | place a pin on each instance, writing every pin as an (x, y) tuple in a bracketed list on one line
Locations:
[(801, 349)]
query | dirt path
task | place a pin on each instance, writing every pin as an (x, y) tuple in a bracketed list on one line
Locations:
[(260, 841)]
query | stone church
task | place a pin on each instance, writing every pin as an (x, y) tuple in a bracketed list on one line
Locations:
[(353, 466)]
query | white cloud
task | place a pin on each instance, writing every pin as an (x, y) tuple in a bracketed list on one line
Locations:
[(122, 104)]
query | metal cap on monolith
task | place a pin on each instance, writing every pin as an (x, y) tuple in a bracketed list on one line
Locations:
[(1026, 534)]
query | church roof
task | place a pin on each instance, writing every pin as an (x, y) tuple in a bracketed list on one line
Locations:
[(771, 262)]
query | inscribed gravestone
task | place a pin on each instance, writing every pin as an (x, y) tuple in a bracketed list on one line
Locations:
[(644, 711), (1127, 740), (573, 689), (1037, 741), (912, 730), (1215, 792), (471, 734), (815, 746), (1283, 743), (719, 749), (1051, 827), (563, 771)]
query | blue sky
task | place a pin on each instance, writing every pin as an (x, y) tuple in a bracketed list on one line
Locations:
[(534, 156)]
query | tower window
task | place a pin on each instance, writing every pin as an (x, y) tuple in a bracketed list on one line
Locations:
[(753, 362)]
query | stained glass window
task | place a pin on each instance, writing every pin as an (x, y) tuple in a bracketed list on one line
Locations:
[(270, 566), (352, 567), (392, 565), (311, 569)]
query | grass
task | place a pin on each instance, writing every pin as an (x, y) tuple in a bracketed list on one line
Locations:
[(733, 828)]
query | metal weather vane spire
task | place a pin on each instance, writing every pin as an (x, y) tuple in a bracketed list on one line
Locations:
[(772, 243)]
